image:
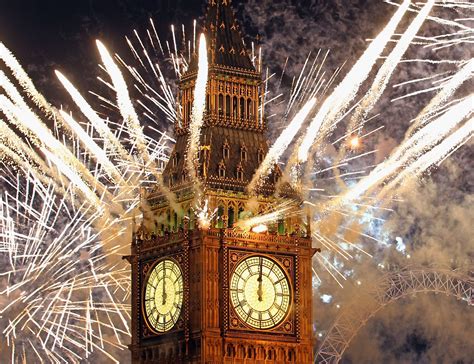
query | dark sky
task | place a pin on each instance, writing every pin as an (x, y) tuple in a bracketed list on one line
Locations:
[(434, 217), (45, 35)]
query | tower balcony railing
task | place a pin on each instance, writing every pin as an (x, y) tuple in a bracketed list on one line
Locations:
[(254, 123), (218, 118), (149, 240)]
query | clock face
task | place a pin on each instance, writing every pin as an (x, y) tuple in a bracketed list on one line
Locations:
[(163, 295), (260, 292)]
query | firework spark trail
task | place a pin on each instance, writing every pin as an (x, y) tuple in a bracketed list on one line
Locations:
[(109, 138), (197, 115), (432, 157), (94, 149), (73, 177), (123, 101), (42, 137), (24, 80), (9, 138), (14, 149), (280, 145), (286, 209), (432, 133), (386, 70), (464, 74), (335, 104), (131, 120), (409, 152)]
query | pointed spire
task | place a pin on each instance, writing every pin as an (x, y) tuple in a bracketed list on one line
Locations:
[(225, 43)]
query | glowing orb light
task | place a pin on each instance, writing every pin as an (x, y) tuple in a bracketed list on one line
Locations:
[(354, 142), (260, 228)]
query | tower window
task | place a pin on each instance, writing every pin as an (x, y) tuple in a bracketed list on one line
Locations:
[(243, 153), (234, 107), (226, 150), (221, 104), (220, 214), (249, 109), (230, 221), (240, 173), (221, 169), (175, 159), (242, 108), (227, 105)]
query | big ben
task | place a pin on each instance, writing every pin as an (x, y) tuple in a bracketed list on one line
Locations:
[(218, 293)]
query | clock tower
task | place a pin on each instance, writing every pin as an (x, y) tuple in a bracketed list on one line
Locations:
[(215, 293)]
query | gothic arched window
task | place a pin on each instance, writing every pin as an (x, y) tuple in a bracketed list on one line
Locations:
[(221, 169), (234, 106), (226, 151), (241, 213), (240, 172), (243, 153), (249, 109), (242, 108), (220, 215), (231, 216), (221, 104), (227, 105)]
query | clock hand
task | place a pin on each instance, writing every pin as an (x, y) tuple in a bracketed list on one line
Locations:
[(164, 284), (259, 280)]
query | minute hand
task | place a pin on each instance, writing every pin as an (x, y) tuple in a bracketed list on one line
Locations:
[(259, 279), (164, 285)]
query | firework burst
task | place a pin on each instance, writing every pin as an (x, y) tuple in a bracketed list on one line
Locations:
[(78, 185)]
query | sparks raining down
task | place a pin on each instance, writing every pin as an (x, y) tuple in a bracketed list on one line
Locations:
[(65, 294), (77, 186), (56, 270)]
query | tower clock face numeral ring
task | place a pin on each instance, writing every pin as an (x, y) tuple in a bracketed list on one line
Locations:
[(163, 295), (260, 292)]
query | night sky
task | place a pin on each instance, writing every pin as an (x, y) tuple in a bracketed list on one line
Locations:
[(434, 218)]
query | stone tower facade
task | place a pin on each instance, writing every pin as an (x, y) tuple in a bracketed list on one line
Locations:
[(219, 294)]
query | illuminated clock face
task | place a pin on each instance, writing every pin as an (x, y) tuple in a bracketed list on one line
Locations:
[(163, 295), (260, 292)]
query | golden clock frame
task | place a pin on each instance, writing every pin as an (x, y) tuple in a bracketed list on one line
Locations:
[(232, 322), (147, 329)]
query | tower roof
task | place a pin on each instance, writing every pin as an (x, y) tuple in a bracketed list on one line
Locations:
[(225, 43)]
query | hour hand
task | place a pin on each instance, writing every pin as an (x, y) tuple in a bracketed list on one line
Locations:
[(164, 295), (260, 290)]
